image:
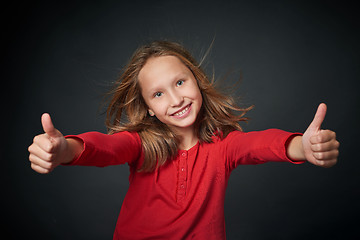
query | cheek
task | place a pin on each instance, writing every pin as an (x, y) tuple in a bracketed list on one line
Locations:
[(197, 95), (159, 107)]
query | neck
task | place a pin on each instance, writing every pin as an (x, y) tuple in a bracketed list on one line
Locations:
[(188, 139)]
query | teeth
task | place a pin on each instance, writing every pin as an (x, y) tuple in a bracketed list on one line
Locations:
[(182, 112)]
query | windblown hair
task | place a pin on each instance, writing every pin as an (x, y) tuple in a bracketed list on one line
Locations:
[(218, 116)]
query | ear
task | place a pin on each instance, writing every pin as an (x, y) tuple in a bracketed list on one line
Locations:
[(151, 113)]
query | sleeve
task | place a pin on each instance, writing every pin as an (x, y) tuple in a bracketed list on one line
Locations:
[(258, 147), (103, 150)]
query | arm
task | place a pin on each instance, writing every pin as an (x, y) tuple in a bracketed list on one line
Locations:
[(317, 146), (103, 150), (258, 147), (51, 149)]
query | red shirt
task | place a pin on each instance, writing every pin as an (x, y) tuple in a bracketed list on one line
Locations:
[(184, 199)]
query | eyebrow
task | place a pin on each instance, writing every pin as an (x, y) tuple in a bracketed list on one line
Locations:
[(180, 76)]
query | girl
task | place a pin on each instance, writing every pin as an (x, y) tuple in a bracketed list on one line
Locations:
[(181, 140)]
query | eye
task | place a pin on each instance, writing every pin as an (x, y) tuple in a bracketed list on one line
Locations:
[(180, 82), (158, 94)]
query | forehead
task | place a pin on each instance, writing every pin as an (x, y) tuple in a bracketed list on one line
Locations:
[(161, 69)]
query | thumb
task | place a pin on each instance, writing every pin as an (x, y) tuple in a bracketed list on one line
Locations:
[(319, 117), (48, 126)]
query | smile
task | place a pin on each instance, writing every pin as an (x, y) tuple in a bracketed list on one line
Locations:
[(183, 112)]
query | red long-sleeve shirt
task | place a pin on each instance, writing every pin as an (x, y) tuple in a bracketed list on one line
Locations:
[(184, 199)]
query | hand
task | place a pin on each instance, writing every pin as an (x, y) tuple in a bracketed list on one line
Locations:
[(320, 146), (48, 150)]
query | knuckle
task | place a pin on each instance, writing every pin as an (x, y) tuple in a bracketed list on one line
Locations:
[(32, 166), (48, 166), (334, 162), (319, 155), (50, 147), (326, 165), (315, 147), (330, 164), (45, 171), (31, 157), (320, 163), (48, 157), (334, 135), (30, 148), (36, 168), (313, 139), (40, 169), (318, 147), (38, 138)]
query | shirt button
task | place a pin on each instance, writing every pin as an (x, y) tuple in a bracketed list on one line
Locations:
[(182, 186), (183, 154), (182, 169)]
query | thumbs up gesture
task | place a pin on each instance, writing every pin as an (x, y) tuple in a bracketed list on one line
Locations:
[(320, 146), (49, 149)]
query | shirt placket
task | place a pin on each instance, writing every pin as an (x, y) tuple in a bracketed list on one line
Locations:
[(182, 176)]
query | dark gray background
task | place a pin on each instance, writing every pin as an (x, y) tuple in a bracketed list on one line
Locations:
[(61, 57)]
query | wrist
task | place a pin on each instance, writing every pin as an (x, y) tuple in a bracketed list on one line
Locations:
[(74, 149), (295, 150)]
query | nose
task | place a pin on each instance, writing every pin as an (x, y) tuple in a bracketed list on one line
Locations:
[(176, 99)]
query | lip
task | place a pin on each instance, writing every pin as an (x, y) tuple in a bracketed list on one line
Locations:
[(183, 112)]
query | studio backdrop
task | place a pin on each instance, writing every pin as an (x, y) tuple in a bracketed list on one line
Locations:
[(286, 57)]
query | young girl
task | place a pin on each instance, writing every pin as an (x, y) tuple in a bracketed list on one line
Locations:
[(182, 139)]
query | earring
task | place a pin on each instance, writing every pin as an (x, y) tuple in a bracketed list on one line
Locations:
[(151, 113)]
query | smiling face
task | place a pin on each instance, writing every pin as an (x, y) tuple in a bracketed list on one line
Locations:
[(171, 92)]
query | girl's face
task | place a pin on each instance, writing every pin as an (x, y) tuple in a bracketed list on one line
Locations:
[(171, 92)]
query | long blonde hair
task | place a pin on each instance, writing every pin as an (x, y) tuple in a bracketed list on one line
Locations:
[(216, 118)]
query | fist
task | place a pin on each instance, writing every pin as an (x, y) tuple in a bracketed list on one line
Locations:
[(47, 149), (320, 146)]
